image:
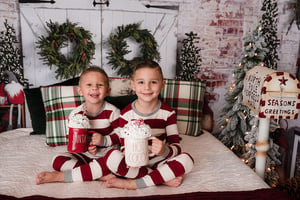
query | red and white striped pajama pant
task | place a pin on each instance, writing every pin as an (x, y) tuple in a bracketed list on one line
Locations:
[(82, 167), (158, 171)]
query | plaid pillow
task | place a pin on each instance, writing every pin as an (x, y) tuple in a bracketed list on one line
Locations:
[(186, 98), (59, 101)]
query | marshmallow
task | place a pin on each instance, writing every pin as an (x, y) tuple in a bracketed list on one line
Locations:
[(79, 121), (136, 129)]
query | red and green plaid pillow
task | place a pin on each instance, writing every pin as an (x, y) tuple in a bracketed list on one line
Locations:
[(59, 101), (186, 98)]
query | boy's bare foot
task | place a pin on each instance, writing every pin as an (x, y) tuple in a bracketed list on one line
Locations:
[(107, 177), (131, 185), (174, 182), (49, 177), (121, 183)]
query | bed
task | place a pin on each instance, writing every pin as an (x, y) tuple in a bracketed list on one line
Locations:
[(217, 174)]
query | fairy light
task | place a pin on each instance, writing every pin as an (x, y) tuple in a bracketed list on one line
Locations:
[(240, 65), (261, 64), (232, 147), (227, 120)]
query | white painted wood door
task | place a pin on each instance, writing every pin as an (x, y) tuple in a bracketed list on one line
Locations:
[(100, 21)]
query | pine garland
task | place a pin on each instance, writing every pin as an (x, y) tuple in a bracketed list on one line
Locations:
[(118, 48), (58, 37)]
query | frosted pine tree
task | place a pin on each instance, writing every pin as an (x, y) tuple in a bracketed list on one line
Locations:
[(238, 124), (10, 58), (189, 61), (236, 118), (272, 159), (269, 29)]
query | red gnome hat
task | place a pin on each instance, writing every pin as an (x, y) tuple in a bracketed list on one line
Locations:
[(14, 90)]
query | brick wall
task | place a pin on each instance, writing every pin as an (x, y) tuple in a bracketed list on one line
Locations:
[(221, 25), (9, 11)]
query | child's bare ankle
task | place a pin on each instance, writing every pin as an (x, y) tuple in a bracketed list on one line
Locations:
[(107, 177), (174, 182), (49, 177), (121, 183)]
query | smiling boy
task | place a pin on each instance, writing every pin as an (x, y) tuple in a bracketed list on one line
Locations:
[(103, 119), (169, 164)]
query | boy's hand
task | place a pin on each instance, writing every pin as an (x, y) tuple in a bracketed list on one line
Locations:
[(158, 147), (97, 139), (92, 149)]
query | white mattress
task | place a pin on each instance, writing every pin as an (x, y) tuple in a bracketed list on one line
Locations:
[(23, 156)]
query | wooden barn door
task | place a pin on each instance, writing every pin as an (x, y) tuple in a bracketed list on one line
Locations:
[(100, 20)]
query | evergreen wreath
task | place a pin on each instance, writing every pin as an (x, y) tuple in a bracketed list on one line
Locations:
[(118, 48), (58, 37)]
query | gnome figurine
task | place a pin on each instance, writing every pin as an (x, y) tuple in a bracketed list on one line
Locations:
[(15, 95)]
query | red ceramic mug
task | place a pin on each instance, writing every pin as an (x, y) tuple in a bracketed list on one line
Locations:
[(78, 140)]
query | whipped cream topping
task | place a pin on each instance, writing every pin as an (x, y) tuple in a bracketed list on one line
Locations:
[(136, 129), (78, 121)]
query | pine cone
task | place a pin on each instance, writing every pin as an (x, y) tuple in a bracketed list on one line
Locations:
[(292, 186)]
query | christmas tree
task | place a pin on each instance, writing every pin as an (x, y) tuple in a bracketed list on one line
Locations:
[(236, 118), (269, 29), (189, 61), (272, 159), (10, 58), (238, 125)]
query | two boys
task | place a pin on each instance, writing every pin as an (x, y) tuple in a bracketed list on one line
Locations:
[(166, 167)]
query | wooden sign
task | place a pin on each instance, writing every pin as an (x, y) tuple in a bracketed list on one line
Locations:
[(271, 94)]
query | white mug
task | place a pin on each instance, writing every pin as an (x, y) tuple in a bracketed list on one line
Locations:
[(137, 151)]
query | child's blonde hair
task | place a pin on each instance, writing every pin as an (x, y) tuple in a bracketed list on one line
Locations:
[(95, 69)]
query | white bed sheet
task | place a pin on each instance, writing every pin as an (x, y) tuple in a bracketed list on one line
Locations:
[(23, 156)]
